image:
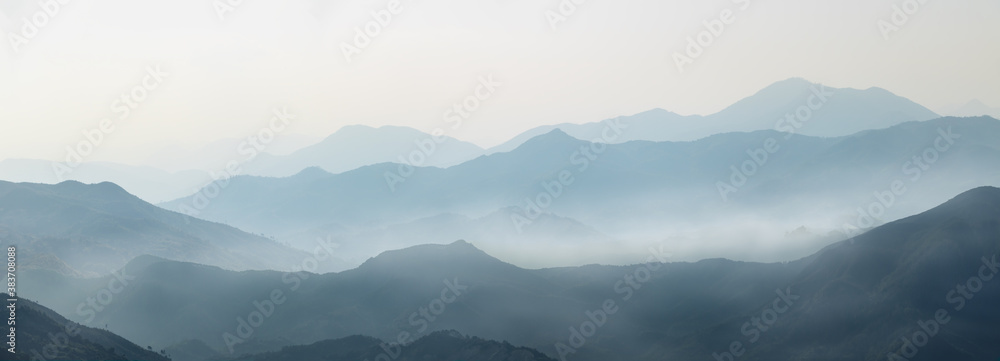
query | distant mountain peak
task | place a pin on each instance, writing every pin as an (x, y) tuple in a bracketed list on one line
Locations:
[(431, 256), (879, 90), (354, 127), (312, 172), (102, 190), (143, 261), (553, 137), (793, 85), (793, 81), (557, 132), (660, 112), (70, 184), (461, 246), (110, 187), (352, 131), (976, 103), (784, 88), (355, 130)]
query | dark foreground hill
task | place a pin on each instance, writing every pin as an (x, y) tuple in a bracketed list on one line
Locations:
[(43, 334), (859, 299)]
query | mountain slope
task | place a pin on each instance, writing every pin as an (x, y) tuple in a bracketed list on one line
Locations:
[(852, 300), (858, 299), (626, 190), (825, 112), (903, 273), (973, 108), (356, 146), (391, 293), (98, 228), (440, 345), (548, 240), (44, 334), (151, 184), (843, 112)]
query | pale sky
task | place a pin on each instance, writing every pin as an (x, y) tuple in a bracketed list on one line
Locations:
[(607, 58)]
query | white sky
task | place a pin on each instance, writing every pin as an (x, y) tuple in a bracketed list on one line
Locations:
[(609, 58)]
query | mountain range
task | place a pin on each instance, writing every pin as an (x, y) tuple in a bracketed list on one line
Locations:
[(91, 230), (803, 222), (44, 334), (822, 111), (440, 345), (855, 299), (356, 146), (149, 183), (973, 108), (625, 191), (838, 112)]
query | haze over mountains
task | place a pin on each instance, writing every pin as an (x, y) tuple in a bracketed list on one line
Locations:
[(44, 334), (852, 300), (351, 189), (355, 146), (841, 112), (830, 215), (830, 112), (973, 108), (212, 156), (151, 184), (625, 191), (94, 229), (562, 180)]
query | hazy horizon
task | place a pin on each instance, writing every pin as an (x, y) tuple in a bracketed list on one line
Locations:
[(225, 73)]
